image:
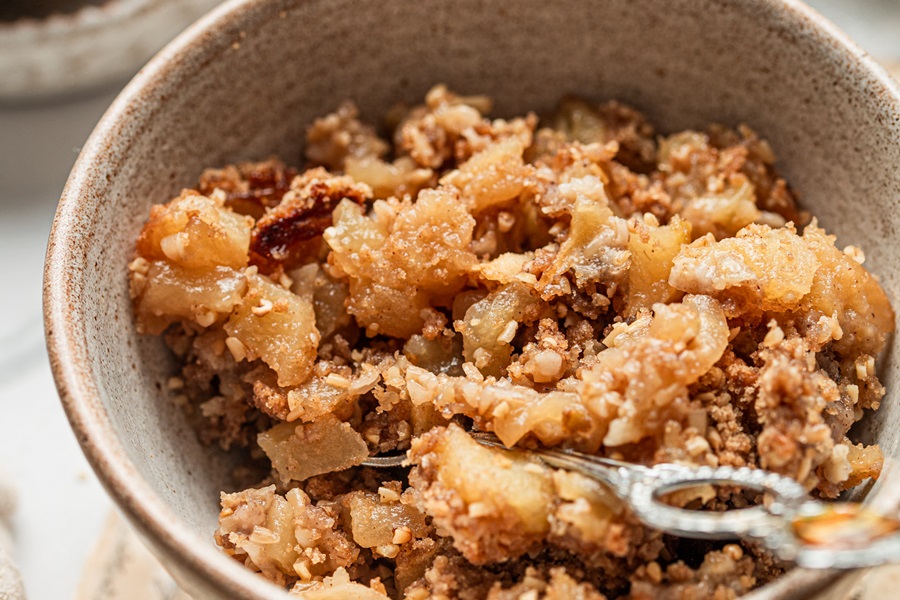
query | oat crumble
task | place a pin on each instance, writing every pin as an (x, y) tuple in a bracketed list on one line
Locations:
[(578, 281)]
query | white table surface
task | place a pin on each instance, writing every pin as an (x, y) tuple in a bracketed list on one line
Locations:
[(62, 505)]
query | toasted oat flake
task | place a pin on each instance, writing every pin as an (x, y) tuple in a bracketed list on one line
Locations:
[(388, 550), (508, 333), (775, 335), (301, 567), (338, 381), (237, 348), (264, 308), (173, 246), (205, 318), (388, 495), (401, 535), (364, 382), (262, 535), (855, 253)]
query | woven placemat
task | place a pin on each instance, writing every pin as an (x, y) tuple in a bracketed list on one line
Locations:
[(120, 567), (10, 580)]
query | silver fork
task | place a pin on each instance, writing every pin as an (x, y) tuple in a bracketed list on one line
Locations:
[(790, 524)]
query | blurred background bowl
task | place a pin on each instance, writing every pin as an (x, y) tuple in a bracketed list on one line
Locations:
[(244, 83), (49, 48)]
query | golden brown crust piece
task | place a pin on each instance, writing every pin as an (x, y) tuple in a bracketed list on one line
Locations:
[(250, 188), (303, 214)]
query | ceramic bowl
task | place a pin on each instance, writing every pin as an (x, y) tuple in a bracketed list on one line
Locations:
[(245, 81)]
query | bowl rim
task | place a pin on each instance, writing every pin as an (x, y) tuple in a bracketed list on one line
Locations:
[(154, 520), (69, 359)]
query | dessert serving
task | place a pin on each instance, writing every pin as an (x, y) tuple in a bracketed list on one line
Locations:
[(580, 281)]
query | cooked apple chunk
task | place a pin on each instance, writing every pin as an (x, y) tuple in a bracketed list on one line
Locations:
[(760, 269), (376, 521), (402, 258), (164, 293), (493, 176), (196, 232), (189, 257), (843, 288), (490, 325), (285, 537), (596, 248), (300, 451), (495, 504), (277, 326), (642, 379), (653, 249)]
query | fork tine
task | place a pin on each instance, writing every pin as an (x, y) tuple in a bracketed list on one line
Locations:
[(385, 462), (601, 468)]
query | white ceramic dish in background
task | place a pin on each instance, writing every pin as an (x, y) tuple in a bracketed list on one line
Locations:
[(873, 24), (244, 83), (98, 44)]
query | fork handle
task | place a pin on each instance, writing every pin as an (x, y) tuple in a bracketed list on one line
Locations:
[(648, 487)]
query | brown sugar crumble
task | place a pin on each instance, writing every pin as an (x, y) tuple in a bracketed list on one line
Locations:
[(578, 281)]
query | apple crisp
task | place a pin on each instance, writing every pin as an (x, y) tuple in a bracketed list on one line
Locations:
[(578, 281)]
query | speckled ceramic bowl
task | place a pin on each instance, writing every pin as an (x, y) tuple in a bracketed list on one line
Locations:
[(245, 81)]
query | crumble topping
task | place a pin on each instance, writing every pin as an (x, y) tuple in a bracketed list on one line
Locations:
[(578, 281)]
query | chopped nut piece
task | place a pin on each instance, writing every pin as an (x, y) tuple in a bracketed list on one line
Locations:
[(237, 348), (264, 308), (401, 535)]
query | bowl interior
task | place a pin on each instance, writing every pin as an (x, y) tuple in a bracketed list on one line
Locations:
[(246, 82)]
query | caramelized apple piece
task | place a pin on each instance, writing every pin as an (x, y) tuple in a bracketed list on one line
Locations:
[(165, 293), (281, 235), (277, 326), (652, 251), (195, 232), (495, 504), (300, 451), (761, 269), (374, 521), (249, 188), (490, 325)]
